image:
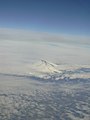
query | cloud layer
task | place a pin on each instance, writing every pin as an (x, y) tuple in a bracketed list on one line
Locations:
[(18, 48), (17, 34)]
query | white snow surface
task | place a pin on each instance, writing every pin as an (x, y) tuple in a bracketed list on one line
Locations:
[(46, 70)]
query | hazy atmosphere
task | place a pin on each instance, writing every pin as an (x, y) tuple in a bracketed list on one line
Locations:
[(45, 60)]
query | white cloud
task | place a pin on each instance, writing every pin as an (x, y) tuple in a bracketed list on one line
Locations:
[(19, 34), (19, 46)]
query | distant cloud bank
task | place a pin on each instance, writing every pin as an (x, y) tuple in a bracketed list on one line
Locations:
[(19, 34)]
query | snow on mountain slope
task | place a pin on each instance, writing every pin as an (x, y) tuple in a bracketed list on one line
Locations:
[(48, 70), (46, 67)]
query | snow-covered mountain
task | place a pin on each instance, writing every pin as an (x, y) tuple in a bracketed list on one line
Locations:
[(44, 69), (47, 70)]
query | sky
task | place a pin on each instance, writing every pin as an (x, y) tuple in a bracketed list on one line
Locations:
[(70, 17), (54, 30)]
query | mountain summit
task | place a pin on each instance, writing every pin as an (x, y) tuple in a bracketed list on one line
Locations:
[(47, 70), (44, 68)]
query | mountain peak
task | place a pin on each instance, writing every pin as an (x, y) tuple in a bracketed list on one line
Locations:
[(44, 67), (48, 70), (48, 63), (44, 62)]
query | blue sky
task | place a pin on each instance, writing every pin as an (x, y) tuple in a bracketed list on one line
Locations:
[(54, 16)]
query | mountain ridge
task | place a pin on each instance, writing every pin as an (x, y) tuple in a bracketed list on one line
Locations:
[(47, 70)]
